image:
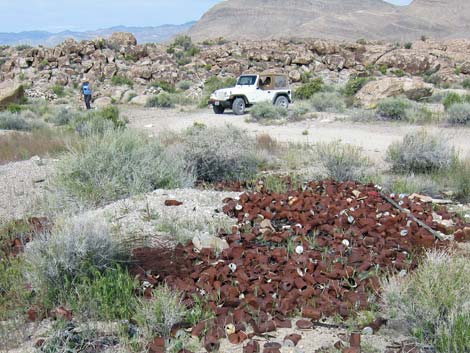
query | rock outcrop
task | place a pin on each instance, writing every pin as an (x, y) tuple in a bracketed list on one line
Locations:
[(374, 91), (121, 69)]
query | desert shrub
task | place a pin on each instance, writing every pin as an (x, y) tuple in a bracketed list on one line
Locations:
[(459, 113), (165, 86), (420, 152), (459, 176), (121, 80), (408, 45), (118, 164), (220, 154), (17, 121), (354, 85), (184, 85), (161, 100), (107, 294), (267, 111), (419, 304), (328, 102), (466, 83), (393, 108), (158, 315), (342, 162), (433, 78), (58, 90), (299, 111), (62, 116), (307, 90), (399, 72), (73, 250), (454, 98), (98, 122), (214, 83), (420, 115), (43, 142), (14, 297)]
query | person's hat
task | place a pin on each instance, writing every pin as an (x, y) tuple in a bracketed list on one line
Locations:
[(84, 79)]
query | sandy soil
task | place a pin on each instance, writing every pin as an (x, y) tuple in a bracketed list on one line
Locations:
[(374, 138)]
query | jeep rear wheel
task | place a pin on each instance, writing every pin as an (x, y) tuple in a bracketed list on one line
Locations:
[(239, 106), (282, 101), (218, 109)]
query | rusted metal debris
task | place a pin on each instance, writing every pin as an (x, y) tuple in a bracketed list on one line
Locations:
[(321, 254)]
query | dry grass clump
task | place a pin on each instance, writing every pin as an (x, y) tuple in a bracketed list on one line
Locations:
[(342, 162), (21, 121), (433, 302), (266, 112), (330, 102)]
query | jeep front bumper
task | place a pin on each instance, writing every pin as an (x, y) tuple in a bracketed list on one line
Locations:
[(220, 103)]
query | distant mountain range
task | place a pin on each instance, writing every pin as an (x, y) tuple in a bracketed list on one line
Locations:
[(143, 34), (334, 19)]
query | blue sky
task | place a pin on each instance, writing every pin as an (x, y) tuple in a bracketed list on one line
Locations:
[(58, 15)]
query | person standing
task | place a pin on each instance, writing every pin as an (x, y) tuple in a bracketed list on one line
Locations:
[(86, 90)]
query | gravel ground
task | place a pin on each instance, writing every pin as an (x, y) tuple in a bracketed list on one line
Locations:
[(147, 216), (21, 183), (373, 137)]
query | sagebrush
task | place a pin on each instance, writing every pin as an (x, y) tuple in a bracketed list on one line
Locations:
[(421, 152)]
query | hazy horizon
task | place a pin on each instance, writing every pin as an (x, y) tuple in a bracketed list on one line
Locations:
[(87, 15)]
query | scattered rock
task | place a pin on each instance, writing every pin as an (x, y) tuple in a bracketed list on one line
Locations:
[(103, 102), (123, 39), (207, 241)]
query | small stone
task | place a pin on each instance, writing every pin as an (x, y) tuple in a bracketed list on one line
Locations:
[(367, 330)]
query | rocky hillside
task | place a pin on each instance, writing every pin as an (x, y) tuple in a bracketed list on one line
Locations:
[(131, 64), (334, 19)]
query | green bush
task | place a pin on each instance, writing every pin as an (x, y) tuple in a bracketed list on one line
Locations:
[(342, 162), (16, 121), (299, 111), (466, 83), (393, 108), (212, 84), (58, 90), (74, 250), (354, 85), (459, 113), (161, 100), (307, 90), (420, 152), (97, 122), (451, 99), (184, 85), (267, 111), (165, 86), (408, 45), (15, 108), (118, 164), (328, 102), (220, 154), (120, 80), (419, 304), (102, 295)]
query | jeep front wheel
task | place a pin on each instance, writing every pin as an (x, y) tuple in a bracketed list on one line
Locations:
[(282, 101), (239, 106), (218, 109)]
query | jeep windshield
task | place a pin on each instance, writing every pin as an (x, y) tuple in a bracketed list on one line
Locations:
[(247, 80)]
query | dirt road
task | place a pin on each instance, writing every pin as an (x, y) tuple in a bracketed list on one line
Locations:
[(374, 137)]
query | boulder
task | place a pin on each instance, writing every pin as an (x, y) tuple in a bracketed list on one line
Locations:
[(295, 76), (139, 100), (103, 102), (123, 39), (414, 88), (10, 92), (411, 61)]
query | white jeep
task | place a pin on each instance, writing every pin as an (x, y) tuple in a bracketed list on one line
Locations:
[(251, 89)]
